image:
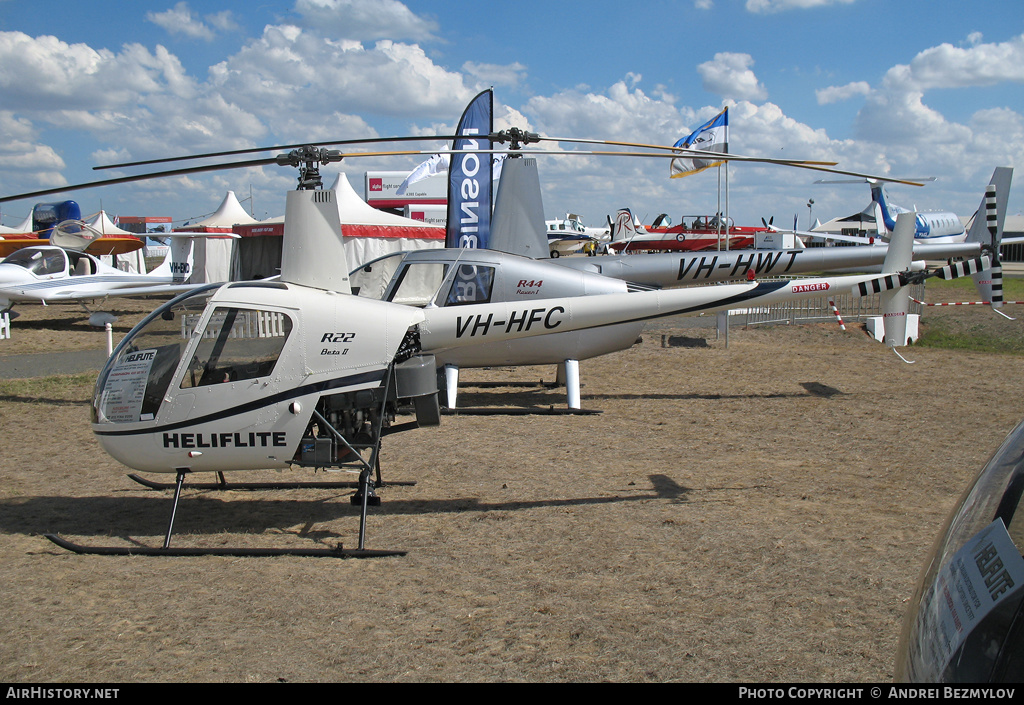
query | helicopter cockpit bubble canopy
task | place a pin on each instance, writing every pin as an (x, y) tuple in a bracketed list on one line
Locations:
[(226, 377), (965, 623)]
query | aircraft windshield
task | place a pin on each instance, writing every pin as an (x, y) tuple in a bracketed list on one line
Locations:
[(39, 262), (135, 379), (958, 625)]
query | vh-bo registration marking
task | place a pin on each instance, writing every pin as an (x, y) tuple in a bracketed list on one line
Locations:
[(518, 321)]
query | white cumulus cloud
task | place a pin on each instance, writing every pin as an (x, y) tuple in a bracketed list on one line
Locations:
[(729, 75), (835, 94), (766, 6), (364, 20), (179, 20)]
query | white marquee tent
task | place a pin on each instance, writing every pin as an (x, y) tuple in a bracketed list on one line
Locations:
[(368, 234)]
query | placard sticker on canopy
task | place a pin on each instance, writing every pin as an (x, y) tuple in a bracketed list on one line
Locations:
[(986, 571), (126, 387)]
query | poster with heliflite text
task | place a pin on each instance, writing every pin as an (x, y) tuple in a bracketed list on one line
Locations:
[(986, 571), (125, 388)]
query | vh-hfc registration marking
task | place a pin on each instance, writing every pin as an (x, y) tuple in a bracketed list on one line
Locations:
[(518, 321)]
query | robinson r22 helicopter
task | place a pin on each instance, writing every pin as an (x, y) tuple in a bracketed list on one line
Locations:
[(271, 374)]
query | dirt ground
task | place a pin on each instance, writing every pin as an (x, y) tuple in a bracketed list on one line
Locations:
[(757, 512)]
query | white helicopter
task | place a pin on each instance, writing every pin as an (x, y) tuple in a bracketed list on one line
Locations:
[(257, 375), (65, 270), (418, 278)]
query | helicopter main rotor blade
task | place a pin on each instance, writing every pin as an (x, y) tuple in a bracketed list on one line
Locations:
[(254, 150), (701, 154), (139, 177), (687, 151), (338, 156)]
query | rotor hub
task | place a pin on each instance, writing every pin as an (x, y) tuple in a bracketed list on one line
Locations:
[(308, 160)]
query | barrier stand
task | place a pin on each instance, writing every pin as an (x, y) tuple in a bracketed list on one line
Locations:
[(5, 325)]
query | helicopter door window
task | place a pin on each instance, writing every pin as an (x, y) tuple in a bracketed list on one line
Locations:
[(418, 283), (472, 285), (237, 344)]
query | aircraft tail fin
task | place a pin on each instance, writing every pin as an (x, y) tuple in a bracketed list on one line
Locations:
[(624, 227), (987, 230), (896, 302), (179, 262)]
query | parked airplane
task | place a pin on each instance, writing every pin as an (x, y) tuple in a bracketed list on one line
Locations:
[(568, 235), (930, 227), (701, 233), (65, 271)]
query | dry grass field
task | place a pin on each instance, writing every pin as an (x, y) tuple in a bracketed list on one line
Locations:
[(757, 512)]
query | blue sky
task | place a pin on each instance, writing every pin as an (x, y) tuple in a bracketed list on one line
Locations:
[(909, 88)]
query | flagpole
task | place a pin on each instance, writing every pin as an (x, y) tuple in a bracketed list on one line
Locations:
[(718, 210), (727, 238)]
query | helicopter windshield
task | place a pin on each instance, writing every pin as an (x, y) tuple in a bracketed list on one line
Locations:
[(959, 625), (135, 378)]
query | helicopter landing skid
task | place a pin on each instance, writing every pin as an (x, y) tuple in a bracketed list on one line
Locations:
[(365, 493), (222, 484), (336, 552)]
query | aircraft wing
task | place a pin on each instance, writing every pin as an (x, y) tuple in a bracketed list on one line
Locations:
[(81, 293), (114, 246), (11, 245), (828, 236)]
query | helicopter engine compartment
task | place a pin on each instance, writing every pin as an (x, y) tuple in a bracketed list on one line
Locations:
[(345, 423)]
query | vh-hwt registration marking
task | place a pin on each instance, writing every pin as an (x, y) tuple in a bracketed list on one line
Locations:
[(762, 262)]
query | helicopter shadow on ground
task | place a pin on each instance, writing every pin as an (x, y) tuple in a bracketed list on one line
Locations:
[(210, 511), (540, 395)]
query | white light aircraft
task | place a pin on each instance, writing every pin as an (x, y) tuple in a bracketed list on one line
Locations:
[(66, 271), (568, 235), (929, 226)]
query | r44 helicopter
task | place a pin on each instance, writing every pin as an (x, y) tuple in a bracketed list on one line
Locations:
[(299, 371)]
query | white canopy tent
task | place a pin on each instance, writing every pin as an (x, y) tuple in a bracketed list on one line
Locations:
[(368, 234), (213, 255), (25, 229), (134, 262)]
